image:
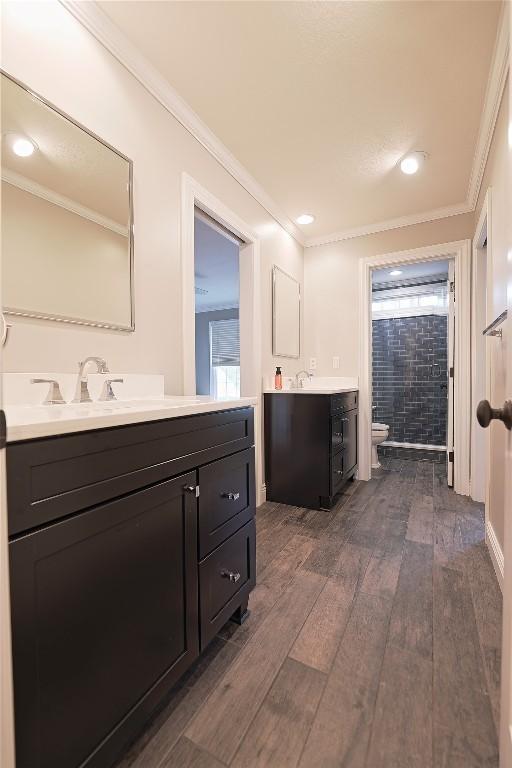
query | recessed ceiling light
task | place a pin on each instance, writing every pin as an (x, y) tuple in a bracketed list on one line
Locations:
[(412, 162), (396, 272), (23, 147), (305, 218)]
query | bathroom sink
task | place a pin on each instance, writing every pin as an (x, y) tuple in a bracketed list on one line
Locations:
[(97, 408), (29, 421)]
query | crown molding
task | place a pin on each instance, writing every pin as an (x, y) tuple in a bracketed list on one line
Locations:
[(115, 41), (384, 226), (493, 96), (32, 187), (111, 37)]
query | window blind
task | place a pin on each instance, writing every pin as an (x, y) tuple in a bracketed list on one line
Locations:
[(225, 342)]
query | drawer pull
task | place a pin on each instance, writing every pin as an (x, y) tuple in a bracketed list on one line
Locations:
[(231, 575), (230, 496), (338, 434)]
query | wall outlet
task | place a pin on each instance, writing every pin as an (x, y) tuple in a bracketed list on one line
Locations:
[(312, 363), (335, 362)]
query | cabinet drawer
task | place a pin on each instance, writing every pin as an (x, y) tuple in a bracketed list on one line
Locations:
[(227, 498), (345, 401), (226, 577), (56, 476)]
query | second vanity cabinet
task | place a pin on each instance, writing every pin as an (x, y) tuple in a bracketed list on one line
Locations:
[(310, 446), (130, 547)]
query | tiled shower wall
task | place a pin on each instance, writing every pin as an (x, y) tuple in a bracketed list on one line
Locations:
[(410, 378)]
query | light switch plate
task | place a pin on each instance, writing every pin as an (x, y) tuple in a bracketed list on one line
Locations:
[(335, 362), (312, 363)]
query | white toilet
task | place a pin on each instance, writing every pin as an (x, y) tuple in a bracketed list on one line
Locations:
[(380, 433)]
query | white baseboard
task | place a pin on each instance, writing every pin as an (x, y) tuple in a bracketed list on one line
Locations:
[(495, 552), (418, 446), (262, 495)]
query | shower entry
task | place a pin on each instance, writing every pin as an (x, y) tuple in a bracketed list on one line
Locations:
[(412, 359)]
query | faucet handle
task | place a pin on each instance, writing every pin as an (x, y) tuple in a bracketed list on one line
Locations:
[(54, 395), (107, 393)]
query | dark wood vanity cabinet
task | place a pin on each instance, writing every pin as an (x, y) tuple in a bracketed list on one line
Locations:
[(113, 600), (310, 446)]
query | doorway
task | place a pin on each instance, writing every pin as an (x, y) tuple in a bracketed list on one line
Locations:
[(194, 196), (412, 346), (459, 252), (217, 305)]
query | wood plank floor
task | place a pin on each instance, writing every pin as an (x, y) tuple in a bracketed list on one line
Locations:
[(373, 642)]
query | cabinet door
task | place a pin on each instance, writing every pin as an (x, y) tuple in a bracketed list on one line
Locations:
[(350, 440), (104, 608)]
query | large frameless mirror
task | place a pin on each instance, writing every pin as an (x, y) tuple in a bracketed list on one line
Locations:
[(285, 314), (67, 241)]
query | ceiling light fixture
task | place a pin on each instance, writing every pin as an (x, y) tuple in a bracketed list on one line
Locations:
[(305, 218), (412, 162), (395, 272), (22, 146)]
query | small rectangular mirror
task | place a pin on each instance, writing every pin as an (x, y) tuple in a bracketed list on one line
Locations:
[(67, 242), (285, 314)]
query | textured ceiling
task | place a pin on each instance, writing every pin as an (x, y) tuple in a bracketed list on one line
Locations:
[(319, 100)]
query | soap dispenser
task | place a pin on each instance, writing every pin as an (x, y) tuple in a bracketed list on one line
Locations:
[(278, 378)]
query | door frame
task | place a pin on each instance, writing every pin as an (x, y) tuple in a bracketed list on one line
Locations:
[(450, 445), (460, 251), (480, 442), (194, 195)]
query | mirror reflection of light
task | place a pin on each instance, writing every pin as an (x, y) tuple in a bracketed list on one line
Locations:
[(23, 147)]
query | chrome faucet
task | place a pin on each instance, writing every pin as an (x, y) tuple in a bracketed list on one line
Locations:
[(107, 393), (54, 396), (299, 382), (82, 390)]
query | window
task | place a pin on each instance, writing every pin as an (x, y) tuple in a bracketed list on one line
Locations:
[(225, 358), (410, 300)]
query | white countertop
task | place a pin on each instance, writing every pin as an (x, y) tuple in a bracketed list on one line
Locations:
[(309, 391), (25, 422)]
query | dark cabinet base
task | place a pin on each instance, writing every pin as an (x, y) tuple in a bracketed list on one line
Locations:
[(113, 597), (310, 447), (241, 614)]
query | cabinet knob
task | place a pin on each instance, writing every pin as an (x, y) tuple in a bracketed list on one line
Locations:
[(231, 575), (485, 413), (192, 489), (230, 496)]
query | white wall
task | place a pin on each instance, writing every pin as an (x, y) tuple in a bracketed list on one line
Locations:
[(55, 262), (331, 274), (496, 177), (46, 48)]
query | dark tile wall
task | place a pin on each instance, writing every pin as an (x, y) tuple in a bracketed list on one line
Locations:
[(410, 378)]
